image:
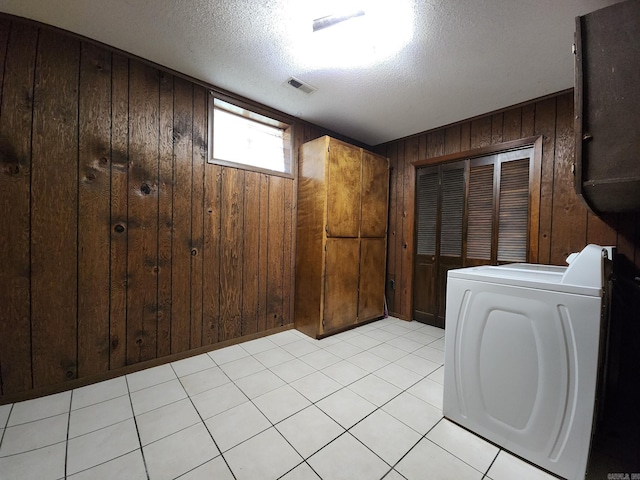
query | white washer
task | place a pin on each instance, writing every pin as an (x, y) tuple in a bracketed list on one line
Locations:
[(521, 357)]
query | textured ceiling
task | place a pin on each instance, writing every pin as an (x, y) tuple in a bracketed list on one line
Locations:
[(456, 58)]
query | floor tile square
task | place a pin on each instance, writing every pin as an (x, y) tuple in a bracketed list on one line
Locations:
[(292, 370), (437, 376), (157, 396), (422, 338), (428, 457), (99, 415), (413, 412), (283, 338), (346, 407), (368, 361), (129, 466), (241, 368), (179, 453), (347, 458), (363, 341), (343, 349), (417, 364), (507, 467), (309, 430), (463, 444), (228, 354), (393, 475), (301, 472), (44, 464), (429, 391), (39, 408), (204, 380), (191, 365), (398, 376), (281, 403), (37, 434), (316, 386), (215, 469), (380, 334), (406, 343), (375, 389), (219, 399), (258, 345), (150, 377), (432, 354), (266, 455), (300, 347), (327, 342), (320, 359), (236, 425), (97, 447), (259, 383), (167, 420), (386, 436), (388, 352), (398, 328), (273, 357), (345, 372), (438, 344), (436, 332), (99, 392)]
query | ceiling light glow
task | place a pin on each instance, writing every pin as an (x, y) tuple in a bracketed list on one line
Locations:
[(380, 30)]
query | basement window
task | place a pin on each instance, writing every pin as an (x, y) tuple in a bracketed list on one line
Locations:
[(245, 139)]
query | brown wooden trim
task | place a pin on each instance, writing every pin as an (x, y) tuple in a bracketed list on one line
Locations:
[(81, 382), (477, 152), (534, 201)]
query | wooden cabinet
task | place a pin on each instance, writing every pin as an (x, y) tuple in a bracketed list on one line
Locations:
[(343, 195), (607, 107)]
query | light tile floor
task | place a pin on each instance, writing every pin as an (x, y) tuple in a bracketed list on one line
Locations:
[(363, 404)]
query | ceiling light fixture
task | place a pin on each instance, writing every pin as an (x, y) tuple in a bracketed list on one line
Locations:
[(331, 20)]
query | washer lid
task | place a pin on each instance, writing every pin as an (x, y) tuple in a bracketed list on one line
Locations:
[(583, 276)]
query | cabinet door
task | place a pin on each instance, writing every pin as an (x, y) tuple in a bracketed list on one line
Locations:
[(341, 283), (372, 265), (343, 190), (375, 190)]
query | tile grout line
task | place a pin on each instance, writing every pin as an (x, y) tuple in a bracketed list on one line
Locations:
[(66, 446), (4, 428), (135, 422)]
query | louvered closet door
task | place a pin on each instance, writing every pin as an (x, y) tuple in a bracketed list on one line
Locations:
[(439, 227)]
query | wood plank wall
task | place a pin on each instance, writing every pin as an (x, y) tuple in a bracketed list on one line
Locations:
[(565, 223), (119, 244)]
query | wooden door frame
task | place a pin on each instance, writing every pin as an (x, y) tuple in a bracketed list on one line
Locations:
[(535, 178)]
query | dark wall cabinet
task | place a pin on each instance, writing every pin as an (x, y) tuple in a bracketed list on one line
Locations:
[(607, 107)]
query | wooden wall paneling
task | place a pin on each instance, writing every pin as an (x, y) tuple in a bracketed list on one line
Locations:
[(411, 154), (182, 198), (512, 125), (602, 230), (142, 298), (497, 126), (480, 132), (527, 128), (392, 233), (5, 27), (165, 214), (298, 133), (398, 239), (422, 146), (54, 225), (199, 149), (568, 211), (452, 139), (15, 177), (211, 279), (119, 211), (262, 252), (275, 237), (435, 143), (231, 253), (251, 253), (545, 118), (288, 261), (94, 210), (465, 136)]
